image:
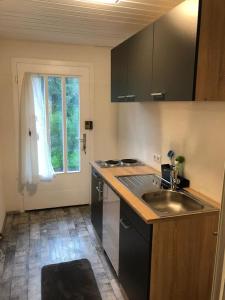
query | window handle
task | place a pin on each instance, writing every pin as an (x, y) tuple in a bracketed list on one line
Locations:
[(84, 141)]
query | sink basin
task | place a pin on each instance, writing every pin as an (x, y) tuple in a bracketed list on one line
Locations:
[(171, 202)]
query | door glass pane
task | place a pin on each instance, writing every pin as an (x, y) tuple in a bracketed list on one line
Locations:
[(55, 122), (73, 123)]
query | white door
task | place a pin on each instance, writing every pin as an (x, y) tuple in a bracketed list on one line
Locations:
[(67, 96)]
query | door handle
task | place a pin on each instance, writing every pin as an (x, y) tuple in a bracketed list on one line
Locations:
[(84, 141)]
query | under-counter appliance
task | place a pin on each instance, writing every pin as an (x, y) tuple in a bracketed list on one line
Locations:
[(126, 162), (97, 202), (111, 227)]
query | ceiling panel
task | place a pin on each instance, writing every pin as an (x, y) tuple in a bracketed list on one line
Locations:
[(78, 21)]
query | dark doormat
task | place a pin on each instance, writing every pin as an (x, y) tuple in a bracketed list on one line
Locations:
[(72, 280)]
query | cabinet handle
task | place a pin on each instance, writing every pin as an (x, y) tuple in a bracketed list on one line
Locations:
[(99, 190), (96, 175), (121, 97), (125, 226), (100, 194), (215, 233), (157, 94), (130, 96)]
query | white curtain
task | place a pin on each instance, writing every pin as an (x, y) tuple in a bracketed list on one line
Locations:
[(46, 171), (35, 161)]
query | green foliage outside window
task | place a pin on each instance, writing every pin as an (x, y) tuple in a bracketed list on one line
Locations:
[(72, 123)]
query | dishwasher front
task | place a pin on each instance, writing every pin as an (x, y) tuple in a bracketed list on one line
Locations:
[(111, 225)]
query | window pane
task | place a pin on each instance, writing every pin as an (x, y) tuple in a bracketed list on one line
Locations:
[(73, 123), (55, 122)]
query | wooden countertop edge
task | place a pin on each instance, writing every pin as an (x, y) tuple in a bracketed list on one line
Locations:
[(144, 211), (203, 197)]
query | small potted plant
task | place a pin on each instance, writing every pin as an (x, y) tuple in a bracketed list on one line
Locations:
[(179, 162)]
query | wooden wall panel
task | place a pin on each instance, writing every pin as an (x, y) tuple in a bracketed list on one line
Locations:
[(183, 258), (211, 58)]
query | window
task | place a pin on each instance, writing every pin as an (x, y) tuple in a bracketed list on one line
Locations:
[(62, 96)]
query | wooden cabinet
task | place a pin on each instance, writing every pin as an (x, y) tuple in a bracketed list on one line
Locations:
[(211, 57), (159, 62), (183, 253)]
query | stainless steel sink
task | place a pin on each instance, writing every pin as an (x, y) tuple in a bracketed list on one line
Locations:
[(171, 202), (155, 192)]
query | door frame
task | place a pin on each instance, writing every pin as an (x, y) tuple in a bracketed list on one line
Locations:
[(14, 66)]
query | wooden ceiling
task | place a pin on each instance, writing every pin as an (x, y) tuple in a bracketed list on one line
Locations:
[(78, 21)]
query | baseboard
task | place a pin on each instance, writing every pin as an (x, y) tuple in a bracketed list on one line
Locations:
[(3, 226), (4, 222)]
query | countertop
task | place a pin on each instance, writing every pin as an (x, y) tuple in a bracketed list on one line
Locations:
[(144, 211)]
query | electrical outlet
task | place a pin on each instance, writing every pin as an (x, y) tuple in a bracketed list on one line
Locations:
[(157, 158)]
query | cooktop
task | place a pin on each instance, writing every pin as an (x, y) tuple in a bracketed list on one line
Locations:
[(127, 162)]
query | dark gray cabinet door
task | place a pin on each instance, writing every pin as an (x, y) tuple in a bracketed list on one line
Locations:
[(119, 73), (97, 202), (134, 254), (140, 51), (174, 58)]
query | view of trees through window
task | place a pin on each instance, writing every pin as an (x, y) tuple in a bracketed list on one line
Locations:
[(63, 102)]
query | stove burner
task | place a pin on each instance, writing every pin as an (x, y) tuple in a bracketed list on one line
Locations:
[(119, 163), (129, 162), (112, 163)]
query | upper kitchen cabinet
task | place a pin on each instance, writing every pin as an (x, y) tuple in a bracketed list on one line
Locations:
[(140, 51), (119, 73), (175, 40), (211, 58), (131, 63), (160, 60)]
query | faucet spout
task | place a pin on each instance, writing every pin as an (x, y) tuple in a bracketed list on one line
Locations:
[(174, 181)]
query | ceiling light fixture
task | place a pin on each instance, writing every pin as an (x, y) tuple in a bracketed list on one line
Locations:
[(106, 1)]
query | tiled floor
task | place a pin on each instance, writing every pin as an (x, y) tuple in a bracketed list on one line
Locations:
[(34, 239)]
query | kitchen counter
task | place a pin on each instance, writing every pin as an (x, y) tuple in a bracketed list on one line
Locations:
[(144, 211)]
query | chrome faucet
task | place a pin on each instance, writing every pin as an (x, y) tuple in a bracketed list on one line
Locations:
[(174, 180)]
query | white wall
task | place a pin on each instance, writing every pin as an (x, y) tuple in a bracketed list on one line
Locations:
[(104, 114), (195, 130)]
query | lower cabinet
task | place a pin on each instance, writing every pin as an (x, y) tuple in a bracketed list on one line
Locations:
[(169, 260), (134, 254), (97, 202)]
